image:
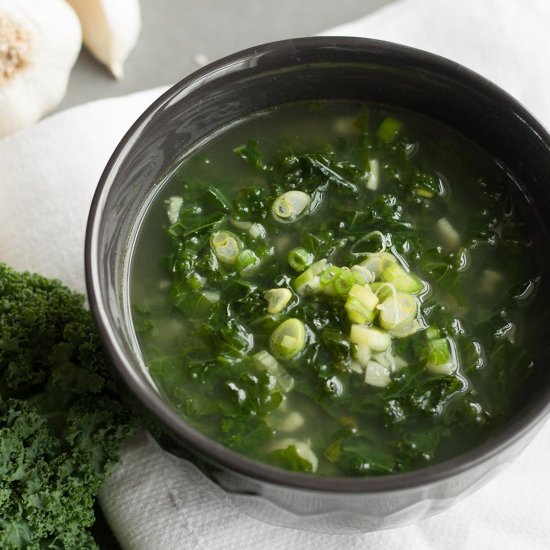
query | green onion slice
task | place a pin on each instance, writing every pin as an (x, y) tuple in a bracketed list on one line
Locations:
[(226, 246), (289, 206), (300, 259), (288, 339)]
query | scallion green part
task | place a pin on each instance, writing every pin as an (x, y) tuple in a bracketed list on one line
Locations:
[(247, 262), (358, 312), (288, 339), (343, 281), (309, 280), (300, 259), (360, 304), (439, 357), (328, 276), (401, 279), (389, 129), (432, 332), (195, 281)]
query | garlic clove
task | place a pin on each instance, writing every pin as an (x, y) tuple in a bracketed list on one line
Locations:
[(38, 47), (111, 29)]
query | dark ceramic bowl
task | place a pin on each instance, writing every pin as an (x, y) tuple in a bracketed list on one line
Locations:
[(253, 80)]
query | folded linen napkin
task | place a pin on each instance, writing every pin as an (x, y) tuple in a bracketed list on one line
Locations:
[(156, 501)]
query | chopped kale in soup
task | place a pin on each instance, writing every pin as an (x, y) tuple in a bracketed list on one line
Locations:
[(340, 289)]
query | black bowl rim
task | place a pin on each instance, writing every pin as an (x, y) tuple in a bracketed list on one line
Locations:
[(389, 53)]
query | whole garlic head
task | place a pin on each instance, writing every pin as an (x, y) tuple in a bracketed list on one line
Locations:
[(39, 45), (111, 29)]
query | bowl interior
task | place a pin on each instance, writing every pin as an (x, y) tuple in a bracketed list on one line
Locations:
[(259, 78)]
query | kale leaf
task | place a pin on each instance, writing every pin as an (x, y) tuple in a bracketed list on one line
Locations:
[(61, 420)]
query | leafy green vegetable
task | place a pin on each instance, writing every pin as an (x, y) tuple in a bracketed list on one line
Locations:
[(61, 420), (409, 344), (360, 456)]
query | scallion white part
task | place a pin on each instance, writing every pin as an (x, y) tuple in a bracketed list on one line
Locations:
[(290, 206), (375, 339), (265, 361), (384, 290), (345, 125), (363, 354), (291, 422), (397, 312), (355, 366), (362, 275), (174, 205), (400, 363), (373, 178), (489, 281), (377, 375), (257, 231), (213, 296), (386, 359), (277, 299), (408, 330), (377, 262), (226, 246), (239, 224), (448, 235)]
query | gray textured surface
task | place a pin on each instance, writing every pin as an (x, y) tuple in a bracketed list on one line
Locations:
[(174, 32)]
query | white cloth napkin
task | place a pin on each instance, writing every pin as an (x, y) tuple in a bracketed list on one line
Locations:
[(155, 501), (48, 175)]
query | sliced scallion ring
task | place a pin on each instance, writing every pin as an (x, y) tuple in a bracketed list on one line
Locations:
[(288, 339), (397, 312), (277, 299), (247, 262), (226, 246), (300, 259), (289, 206)]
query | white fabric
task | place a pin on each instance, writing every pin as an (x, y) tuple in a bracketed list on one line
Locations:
[(504, 40), (155, 501), (48, 175)]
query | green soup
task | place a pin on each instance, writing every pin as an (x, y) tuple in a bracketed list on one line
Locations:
[(339, 289)]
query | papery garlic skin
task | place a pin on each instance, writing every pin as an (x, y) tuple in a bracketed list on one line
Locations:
[(111, 29), (39, 44)]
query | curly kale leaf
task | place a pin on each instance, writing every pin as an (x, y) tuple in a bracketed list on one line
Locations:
[(61, 420)]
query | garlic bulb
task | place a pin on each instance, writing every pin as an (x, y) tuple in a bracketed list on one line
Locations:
[(111, 29), (39, 45)]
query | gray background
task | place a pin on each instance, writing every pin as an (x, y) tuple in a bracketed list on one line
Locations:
[(174, 32)]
